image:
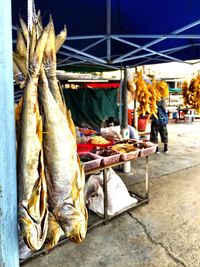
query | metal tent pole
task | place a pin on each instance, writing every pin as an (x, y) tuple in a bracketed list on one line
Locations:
[(125, 130), (108, 31), (125, 99), (9, 255), (120, 99)]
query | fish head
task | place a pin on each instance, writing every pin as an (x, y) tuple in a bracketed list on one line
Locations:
[(31, 231), (72, 221)]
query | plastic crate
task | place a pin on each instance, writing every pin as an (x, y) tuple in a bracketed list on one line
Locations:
[(148, 151), (84, 148), (110, 159), (95, 163), (130, 155)]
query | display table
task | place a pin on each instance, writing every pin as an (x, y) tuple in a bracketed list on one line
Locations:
[(142, 199)]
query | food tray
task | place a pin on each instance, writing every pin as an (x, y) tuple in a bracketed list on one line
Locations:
[(102, 145), (95, 163), (130, 155), (110, 159), (147, 151), (84, 148)]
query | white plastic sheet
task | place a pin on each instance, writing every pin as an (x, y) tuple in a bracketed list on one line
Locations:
[(118, 195)]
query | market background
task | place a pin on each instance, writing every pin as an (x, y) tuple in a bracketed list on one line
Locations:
[(163, 233), (179, 186)]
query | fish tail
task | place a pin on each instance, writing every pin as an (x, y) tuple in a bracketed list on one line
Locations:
[(21, 44), (60, 39), (40, 46), (24, 29), (50, 53), (33, 41), (20, 64)]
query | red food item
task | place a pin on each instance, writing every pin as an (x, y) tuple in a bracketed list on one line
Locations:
[(87, 131), (84, 147)]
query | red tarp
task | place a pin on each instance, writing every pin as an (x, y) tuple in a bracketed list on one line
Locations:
[(103, 85)]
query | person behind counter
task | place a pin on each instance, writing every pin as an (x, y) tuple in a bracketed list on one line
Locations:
[(159, 125), (132, 131)]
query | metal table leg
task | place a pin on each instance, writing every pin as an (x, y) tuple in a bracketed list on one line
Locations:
[(147, 178), (105, 194)]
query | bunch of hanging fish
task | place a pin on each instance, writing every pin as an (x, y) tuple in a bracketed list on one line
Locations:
[(148, 93), (50, 176)]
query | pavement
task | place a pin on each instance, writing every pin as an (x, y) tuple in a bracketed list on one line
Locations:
[(163, 233)]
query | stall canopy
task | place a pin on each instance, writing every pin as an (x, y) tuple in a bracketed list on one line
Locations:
[(117, 33)]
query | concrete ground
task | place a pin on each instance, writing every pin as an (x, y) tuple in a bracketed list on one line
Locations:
[(163, 233)]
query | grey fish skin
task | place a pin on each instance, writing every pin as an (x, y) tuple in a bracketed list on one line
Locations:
[(31, 181), (29, 144), (32, 190), (70, 213), (58, 143), (64, 180)]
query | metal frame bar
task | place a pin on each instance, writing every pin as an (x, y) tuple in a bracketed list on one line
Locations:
[(156, 36), (168, 51), (83, 53), (91, 62), (85, 37), (146, 49), (189, 26), (78, 62), (86, 48), (79, 57), (118, 37), (172, 50), (131, 36), (14, 28)]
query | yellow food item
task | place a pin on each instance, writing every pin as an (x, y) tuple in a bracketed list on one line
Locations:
[(124, 148), (99, 140), (191, 93)]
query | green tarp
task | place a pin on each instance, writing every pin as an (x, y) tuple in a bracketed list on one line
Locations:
[(91, 107)]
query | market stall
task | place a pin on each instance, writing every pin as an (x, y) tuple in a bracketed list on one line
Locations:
[(123, 54), (106, 210)]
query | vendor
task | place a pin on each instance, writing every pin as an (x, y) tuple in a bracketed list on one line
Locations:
[(112, 122), (133, 133)]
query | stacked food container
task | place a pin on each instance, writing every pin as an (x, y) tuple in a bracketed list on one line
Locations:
[(106, 152)]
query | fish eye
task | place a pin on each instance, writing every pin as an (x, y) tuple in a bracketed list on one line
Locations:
[(72, 238)]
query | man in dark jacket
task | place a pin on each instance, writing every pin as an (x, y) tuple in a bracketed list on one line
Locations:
[(159, 125)]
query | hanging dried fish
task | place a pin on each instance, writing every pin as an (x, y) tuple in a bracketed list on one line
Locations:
[(64, 173), (32, 188)]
